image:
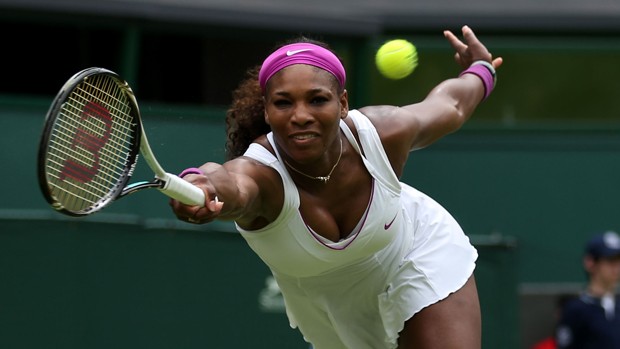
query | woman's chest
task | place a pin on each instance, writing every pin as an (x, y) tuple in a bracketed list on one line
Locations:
[(335, 213)]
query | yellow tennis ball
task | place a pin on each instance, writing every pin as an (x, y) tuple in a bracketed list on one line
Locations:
[(396, 59)]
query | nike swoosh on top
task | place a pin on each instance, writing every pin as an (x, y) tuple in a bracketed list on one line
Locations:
[(388, 225), (294, 52)]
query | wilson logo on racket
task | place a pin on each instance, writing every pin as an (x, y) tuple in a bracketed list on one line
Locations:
[(90, 143), (90, 140)]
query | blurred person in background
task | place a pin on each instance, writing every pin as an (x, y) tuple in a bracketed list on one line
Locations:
[(592, 320)]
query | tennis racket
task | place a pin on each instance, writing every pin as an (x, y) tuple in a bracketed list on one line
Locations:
[(90, 143)]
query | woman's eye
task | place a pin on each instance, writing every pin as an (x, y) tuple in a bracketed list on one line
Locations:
[(318, 100), (281, 103)]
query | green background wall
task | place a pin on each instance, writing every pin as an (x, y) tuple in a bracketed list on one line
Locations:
[(529, 178), (134, 275)]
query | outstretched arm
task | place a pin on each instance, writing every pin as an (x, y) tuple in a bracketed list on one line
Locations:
[(234, 191), (450, 104), (444, 110)]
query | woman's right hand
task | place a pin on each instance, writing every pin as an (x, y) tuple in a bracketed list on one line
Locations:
[(196, 214)]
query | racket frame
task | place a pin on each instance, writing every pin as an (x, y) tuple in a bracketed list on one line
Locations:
[(169, 184)]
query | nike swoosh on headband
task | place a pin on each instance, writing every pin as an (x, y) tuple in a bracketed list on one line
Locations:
[(294, 52)]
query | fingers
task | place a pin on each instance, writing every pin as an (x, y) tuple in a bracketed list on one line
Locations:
[(196, 214), (461, 54), (454, 41), (469, 35), (201, 215), (215, 205), (459, 46), (470, 49), (497, 62), (193, 220)]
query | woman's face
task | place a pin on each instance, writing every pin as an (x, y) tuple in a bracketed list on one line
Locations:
[(303, 108)]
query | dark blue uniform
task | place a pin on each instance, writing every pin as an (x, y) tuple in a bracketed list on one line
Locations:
[(586, 324)]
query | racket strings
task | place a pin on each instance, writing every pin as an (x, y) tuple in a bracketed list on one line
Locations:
[(91, 143)]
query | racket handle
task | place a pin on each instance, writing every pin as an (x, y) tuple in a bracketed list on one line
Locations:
[(182, 190)]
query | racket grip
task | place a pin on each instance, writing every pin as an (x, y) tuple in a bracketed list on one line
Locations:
[(182, 190)]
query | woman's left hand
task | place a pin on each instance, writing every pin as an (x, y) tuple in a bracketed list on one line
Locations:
[(470, 49)]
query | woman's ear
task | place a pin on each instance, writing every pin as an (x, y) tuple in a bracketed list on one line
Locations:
[(344, 104), (265, 113)]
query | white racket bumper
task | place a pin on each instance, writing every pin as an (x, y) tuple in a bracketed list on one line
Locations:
[(182, 190)]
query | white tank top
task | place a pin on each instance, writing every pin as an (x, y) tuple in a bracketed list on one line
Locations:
[(289, 247), (407, 252)]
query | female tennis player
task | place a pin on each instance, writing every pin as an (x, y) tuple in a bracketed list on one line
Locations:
[(363, 260)]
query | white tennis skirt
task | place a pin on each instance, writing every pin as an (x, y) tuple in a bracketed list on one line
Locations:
[(365, 305)]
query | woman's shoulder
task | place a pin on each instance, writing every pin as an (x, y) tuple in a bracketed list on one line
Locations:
[(261, 150), (263, 141)]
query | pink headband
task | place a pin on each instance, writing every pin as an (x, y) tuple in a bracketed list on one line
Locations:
[(301, 53)]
